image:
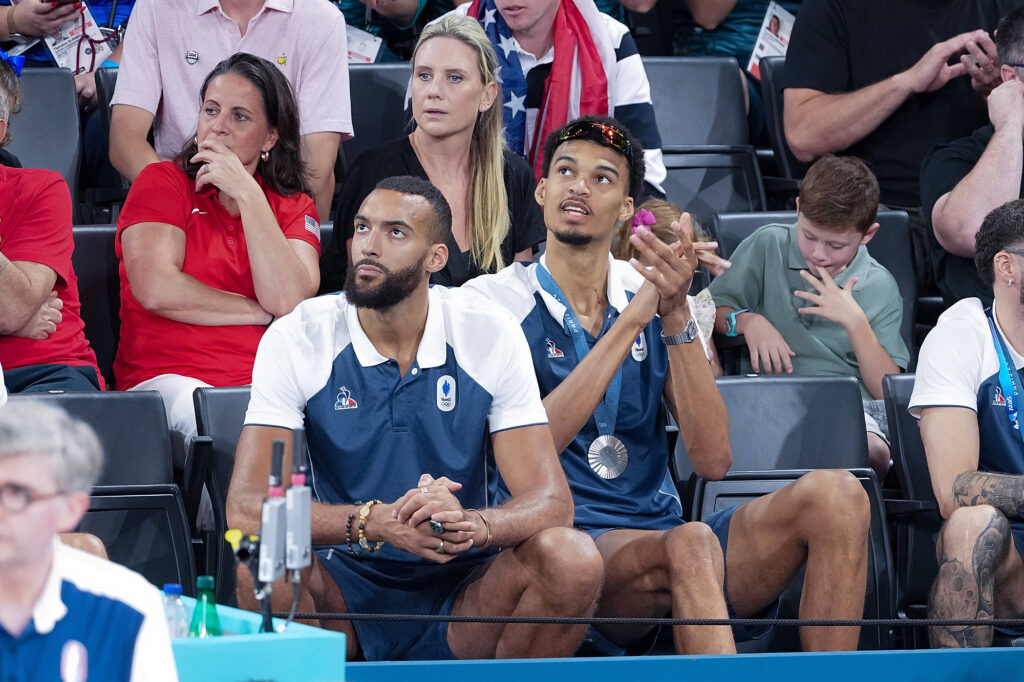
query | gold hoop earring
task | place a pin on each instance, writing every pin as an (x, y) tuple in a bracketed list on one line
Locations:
[(264, 157)]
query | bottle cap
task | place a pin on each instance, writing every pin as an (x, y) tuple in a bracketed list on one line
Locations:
[(205, 582), (172, 588)]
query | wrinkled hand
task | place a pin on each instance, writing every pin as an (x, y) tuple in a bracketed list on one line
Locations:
[(45, 320), (39, 18), (1006, 106), (832, 301), (932, 71), (421, 540), (85, 86), (222, 169), (769, 352), (984, 67), (669, 268)]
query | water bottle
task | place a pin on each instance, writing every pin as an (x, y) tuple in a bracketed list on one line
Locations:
[(205, 622), (175, 611)]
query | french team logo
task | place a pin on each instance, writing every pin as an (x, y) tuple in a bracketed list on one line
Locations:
[(446, 393), (553, 351), (639, 351), (997, 398), (345, 400)]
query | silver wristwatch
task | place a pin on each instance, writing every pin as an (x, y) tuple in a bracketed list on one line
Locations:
[(688, 334)]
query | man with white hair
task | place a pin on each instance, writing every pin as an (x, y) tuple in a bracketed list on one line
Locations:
[(65, 614)]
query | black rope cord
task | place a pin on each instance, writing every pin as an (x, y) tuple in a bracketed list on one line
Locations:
[(780, 622)]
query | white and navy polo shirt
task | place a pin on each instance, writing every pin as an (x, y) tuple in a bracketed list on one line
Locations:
[(644, 496), (372, 432), (94, 620)]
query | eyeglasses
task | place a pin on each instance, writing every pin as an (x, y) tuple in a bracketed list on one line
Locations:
[(16, 498), (600, 133), (1016, 251)]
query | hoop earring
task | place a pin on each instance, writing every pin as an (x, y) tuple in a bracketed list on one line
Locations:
[(264, 157)]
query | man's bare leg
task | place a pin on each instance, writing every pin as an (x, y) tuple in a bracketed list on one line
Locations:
[(652, 572), (980, 576), (318, 593), (556, 572), (822, 519)]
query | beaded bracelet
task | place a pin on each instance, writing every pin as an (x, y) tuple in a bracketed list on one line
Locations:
[(364, 512), (348, 533)]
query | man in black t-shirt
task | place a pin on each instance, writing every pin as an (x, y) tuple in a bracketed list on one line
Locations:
[(962, 181), (883, 80)]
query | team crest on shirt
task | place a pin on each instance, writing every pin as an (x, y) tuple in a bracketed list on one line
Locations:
[(553, 351), (997, 397), (283, 59), (639, 351), (191, 56), (446, 393), (345, 400)]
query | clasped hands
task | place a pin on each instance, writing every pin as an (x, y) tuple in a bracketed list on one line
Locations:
[(430, 522)]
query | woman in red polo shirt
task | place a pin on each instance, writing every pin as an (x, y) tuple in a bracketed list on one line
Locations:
[(216, 244)]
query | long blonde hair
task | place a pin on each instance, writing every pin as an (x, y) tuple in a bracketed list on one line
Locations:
[(488, 214)]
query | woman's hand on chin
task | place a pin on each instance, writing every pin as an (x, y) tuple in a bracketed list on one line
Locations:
[(222, 169)]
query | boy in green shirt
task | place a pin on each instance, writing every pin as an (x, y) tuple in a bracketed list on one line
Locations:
[(809, 299)]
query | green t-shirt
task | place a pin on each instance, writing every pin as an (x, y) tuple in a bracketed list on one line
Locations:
[(766, 271)]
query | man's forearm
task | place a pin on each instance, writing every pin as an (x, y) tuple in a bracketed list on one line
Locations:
[(129, 155), (526, 515), (821, 123), (993, 181), (1005, 492)]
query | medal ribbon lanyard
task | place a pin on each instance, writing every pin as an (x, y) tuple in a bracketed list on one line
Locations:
[(607, 410), (1009, 381)]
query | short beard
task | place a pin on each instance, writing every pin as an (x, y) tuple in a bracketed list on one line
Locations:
[(573, 238), (396, 287)]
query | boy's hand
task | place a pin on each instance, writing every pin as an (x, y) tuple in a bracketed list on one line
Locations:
[(769, 352), (832, 301)]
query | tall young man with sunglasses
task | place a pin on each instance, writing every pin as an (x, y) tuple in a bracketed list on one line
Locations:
[(609, 340)]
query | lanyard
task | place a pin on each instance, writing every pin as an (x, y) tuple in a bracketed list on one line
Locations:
[(1009, 382), (607, 410)]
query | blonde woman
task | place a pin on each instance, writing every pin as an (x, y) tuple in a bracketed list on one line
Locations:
[(459, 146)]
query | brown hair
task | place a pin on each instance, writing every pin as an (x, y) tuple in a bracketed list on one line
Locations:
[(665, 213), (840, 192)]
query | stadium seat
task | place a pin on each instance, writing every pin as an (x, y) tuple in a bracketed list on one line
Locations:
[(148, 534), (697, 100), (916, 516), (104, 202), (771, 92), (890, 247), (741, 487), (219, 416), (96, 267), (711, 179), (379, 114), (788, 422), (46, 132)]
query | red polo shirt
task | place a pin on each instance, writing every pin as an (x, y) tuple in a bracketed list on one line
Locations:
[(35, 225), (216, 255)]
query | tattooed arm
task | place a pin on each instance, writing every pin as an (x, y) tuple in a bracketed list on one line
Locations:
[(1005, 492), (951, 443)]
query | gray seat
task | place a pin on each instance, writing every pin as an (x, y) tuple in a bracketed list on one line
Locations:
[(96, 267), (772, 69), (697, 100), (46, 132), (710, 179), (378, 105)]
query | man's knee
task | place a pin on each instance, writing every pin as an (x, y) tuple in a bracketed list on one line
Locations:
[(967, 528), (692, 550), (832, 503), (566, 562)]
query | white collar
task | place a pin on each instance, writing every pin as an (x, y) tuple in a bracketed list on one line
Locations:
[(433, 348), (615, 290)]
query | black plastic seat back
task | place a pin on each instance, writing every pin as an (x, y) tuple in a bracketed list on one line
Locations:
[(143, 528), (220, 413), (789, 422), (378, 105), (919, 521), (96, 267), (697, 100), (739, 488), (46, 132), (710, 179), (772, 69)]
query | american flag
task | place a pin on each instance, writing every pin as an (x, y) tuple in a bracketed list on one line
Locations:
[(510, 73)]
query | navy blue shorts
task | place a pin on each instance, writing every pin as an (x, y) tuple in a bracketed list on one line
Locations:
[(406, 587)]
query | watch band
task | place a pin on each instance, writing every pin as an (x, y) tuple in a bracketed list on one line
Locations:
[(731, 321), (687, 335)]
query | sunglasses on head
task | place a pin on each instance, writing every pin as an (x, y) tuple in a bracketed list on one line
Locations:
[(597, 132)]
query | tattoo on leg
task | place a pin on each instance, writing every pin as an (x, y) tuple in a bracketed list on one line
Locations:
[(967, 591)]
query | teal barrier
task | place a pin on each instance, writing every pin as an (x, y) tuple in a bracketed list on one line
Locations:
[(299, 654)]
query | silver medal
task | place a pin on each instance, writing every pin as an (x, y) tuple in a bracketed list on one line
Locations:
[(608, 457)]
